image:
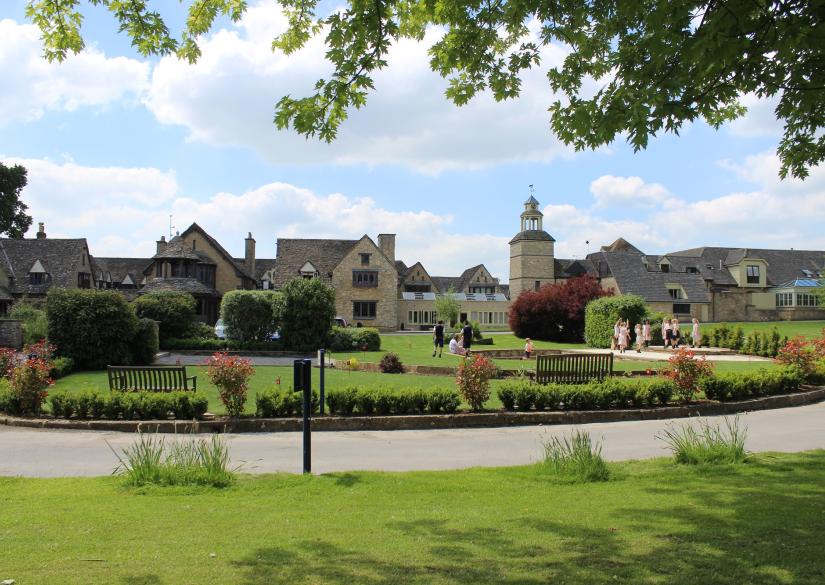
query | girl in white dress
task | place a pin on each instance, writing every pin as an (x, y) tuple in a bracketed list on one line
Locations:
[(614, 342), (640, 337), (695, 335), (623, 333), (666, 332), (646, 332)]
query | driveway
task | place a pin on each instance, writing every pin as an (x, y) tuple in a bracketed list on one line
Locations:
[(51, 453)]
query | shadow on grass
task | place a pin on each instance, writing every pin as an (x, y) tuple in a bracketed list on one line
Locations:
[(147, 579), (759, 524)]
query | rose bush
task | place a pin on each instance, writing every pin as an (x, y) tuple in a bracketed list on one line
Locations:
[(231, 375)]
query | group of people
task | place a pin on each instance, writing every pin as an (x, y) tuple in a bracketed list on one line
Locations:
[(459, 344), (671, 334)]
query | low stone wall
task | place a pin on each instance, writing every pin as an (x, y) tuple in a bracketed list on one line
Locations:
[(428, 421), (514, 353), (11, 333)]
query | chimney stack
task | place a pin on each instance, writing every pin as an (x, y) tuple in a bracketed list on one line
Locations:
[(249, 254), (41, 231), (161, 245), (387, 244)]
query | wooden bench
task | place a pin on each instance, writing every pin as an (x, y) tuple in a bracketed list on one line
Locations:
[(150, 378), (573, 368)]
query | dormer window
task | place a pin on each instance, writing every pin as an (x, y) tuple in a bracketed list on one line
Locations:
[(308, 271), (692, 270), (753, 274), (38, 274), (664, 267)]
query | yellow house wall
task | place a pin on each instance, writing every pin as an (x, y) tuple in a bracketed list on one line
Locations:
[(469, 307), (385, 294)]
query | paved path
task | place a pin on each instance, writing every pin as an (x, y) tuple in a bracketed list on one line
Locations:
[(663, 355), (47, 453)]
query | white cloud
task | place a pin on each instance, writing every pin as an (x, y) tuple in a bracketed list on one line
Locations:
[(31, 86), (760, 119), (611, 191), (228, 98)]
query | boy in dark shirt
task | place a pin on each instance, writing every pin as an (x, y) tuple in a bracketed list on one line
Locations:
[(438, 338), (467, 333)]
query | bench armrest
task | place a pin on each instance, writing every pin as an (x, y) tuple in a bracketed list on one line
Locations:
[(194, 382)]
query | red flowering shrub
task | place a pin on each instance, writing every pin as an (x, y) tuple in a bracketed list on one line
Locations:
[(686, 371), (8, 359), (231, 375), (42, 350), (798, 352), (819, 345), (473, 380), (28, 383)]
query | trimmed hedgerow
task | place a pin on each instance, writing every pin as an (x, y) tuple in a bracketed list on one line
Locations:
[(354, 339), (752, 385), (173, 310), (128, 405), (250, 315), (146, 343), (214, 344), (387, 401), (95, 328), (611, 393), (601, 314), (283, 402)]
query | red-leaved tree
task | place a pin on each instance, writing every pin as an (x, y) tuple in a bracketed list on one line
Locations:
[(555, 312)]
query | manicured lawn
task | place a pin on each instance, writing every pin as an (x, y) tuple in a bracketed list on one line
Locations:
[(655, 523), (265, 378), (789, 328), (418, 349)]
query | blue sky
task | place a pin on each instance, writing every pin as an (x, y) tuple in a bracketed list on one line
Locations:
[(115, 143)]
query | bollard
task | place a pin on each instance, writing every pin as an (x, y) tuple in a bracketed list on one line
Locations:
[(302, 382), (321, 353)]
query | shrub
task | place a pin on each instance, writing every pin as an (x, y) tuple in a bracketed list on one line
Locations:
[(250, 315), (442, 400), (754, 384), (192, 461), (354, 339), (42, 350), (34, 324), (555, 312), (283, 402), (710, 445), (686, 371), (28, 383), (611, 393), (575, 458), (231, 375), (352, 364), (95, 328), (305, 313), (61, 367), (200, 330), (146, 343), (140, 405), (8, 359), (601, 314), (174, 311), (215, 344), (391, 364), (342, 401), (473, 380), (799, 353)]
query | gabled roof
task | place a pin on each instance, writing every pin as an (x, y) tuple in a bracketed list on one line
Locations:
[(120, 268), (401, 268), (60, 258), (407, 271), (325, 255), (621, 245), (240, 270)]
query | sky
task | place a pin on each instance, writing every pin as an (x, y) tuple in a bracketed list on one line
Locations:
[(115, 144)]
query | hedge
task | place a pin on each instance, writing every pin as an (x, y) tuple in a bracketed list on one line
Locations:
[(283, 402), (173, 310), (146, 343), (387, 401), (601, 315), (201, 343), (611, 393), (129, 405), (752, 385), (354, 339), (762, 343), (305, 313), (250, 315), (95, 328)]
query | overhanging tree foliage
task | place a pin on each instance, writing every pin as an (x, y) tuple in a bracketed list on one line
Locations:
[(657, 63), (13, 218)]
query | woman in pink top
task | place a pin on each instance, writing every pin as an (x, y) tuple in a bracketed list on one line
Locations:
[(646, 332)]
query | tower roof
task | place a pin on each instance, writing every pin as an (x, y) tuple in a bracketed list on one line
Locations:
[(534, 235), (532, 201)]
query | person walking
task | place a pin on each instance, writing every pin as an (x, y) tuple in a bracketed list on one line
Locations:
[(528, 349), (467, 337), (623, 333), (438, 338), (640, 337), (675, 334), (696, 336), (614, 342), (666, 332), (646, 332)]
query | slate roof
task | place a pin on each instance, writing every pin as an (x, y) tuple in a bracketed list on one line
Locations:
[(61, 259), (401, 268), (632, 277), (119, 268), (621, 245), (325, 255), (179, 284), (534, 235), (532, 201), (783, 265), (569, 268), (262, 265), (444, 283), (240, 269), (177, 248)]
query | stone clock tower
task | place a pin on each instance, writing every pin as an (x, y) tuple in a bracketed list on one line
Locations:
[(532, 261)]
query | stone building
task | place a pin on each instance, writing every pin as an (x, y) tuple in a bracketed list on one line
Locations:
[(29, 267)]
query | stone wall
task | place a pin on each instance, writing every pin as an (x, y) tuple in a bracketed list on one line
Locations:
[(11, 333), (530, 260)]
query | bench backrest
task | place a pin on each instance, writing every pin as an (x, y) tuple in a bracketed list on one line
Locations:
[(573, 368), (147, 377)]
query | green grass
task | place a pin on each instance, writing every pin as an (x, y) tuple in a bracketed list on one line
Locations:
[(704, 442), (653, 523), (790, 328)]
